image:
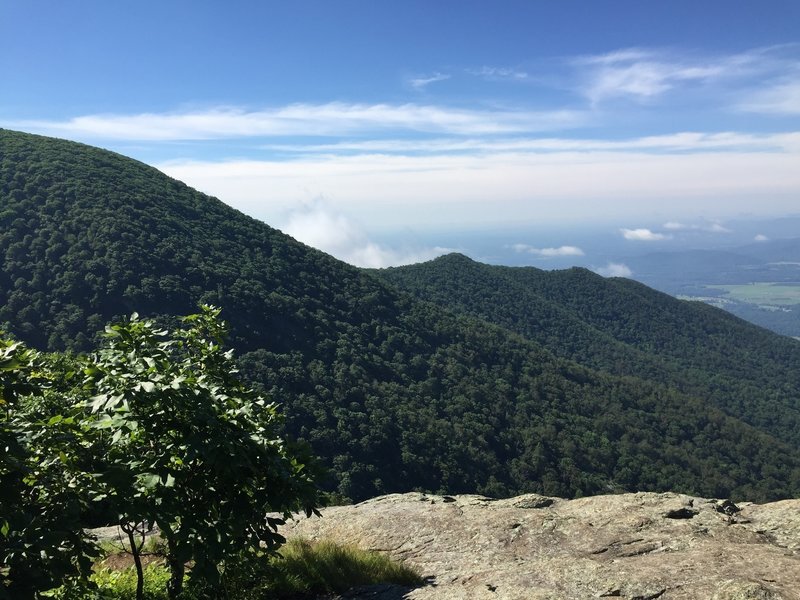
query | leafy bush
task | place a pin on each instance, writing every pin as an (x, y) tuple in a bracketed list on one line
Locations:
[(43, 488), (157, 427)]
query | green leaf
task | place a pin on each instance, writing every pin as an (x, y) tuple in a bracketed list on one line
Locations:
[(150, 480), (9, 364), (98, 401)]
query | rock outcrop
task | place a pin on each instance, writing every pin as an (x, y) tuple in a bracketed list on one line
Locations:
[(630, 546)]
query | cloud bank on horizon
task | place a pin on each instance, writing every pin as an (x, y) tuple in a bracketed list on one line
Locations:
[(606, 130)]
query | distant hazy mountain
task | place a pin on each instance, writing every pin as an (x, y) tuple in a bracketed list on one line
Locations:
[(568, 384), (769, 261), (772, 251), (707, 274)]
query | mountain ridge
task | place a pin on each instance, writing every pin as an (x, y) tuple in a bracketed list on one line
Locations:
[(393, 392), (609, 331)]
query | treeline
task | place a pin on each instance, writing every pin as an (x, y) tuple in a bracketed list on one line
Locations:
[(392, 392)]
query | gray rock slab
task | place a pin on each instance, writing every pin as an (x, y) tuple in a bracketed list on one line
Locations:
[(628, 546)]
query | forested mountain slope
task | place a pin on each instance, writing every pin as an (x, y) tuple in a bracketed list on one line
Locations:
[(394, 393), (623, 327)]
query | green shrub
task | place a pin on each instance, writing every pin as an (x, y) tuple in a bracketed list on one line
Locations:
[(121, 585)]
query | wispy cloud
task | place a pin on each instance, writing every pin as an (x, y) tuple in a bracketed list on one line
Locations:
[(676, 226), (548, 252), (332, 232), (760, 238), (636, 73), (643, 235), (332, 119), (499, 73), (782, 98), (419, 83), (613, 269), (688, 141), (644, 74)]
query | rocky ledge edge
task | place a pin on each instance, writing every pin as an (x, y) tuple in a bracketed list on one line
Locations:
[(638, 546)]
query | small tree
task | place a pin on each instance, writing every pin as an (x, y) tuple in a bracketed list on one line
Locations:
[(188, 447)]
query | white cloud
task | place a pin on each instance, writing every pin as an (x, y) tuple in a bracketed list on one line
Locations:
[(325, 230), (780, 99), (613, 269), (760, 238), (332, 119), (643, 235), (548, 252), (419, 83), (712, 227)]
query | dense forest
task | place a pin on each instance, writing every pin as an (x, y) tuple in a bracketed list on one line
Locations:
[(565, 384), (622, 327)]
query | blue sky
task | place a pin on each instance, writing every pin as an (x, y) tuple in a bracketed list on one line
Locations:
[(344, 123)]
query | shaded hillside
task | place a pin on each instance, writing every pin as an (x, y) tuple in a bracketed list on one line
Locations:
[(394, 393), (623, 327)]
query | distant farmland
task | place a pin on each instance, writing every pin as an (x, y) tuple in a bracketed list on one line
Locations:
[(776, 294)]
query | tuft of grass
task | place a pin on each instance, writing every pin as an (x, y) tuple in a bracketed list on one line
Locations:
[(308, 569), (326, 567)]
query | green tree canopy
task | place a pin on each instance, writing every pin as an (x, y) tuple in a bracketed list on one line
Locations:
[(188, 447)]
